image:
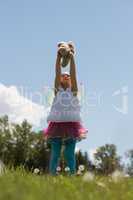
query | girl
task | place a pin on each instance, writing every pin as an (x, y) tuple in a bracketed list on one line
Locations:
[(65, 126)]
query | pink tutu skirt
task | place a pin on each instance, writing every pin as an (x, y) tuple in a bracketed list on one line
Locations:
[(65, 130)]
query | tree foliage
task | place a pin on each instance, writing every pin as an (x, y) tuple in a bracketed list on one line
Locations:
[(106, 159)]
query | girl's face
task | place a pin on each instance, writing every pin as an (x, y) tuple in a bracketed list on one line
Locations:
[(66, 80)]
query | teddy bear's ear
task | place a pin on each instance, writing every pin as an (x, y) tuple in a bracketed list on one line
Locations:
[(60, 43), (71, 46)]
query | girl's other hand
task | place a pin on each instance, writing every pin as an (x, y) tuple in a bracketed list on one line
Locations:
[(71, 55)]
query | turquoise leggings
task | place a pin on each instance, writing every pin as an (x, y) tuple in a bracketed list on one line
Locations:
[(69, 154)]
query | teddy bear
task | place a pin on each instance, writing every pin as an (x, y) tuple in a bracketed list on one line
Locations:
[(65, 49)]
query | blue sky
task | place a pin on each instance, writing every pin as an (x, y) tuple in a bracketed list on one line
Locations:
[(102, 32)]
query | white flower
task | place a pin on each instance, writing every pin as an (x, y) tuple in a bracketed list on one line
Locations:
[(32, 146), (88, 176), (67, 169), (117, 175), (81, 168), (127, 175), (101, 184), (79, 173), (1, 167), (36, 171), (58, 169)]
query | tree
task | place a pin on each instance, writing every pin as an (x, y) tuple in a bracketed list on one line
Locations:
[(39, 154), (5, 140), (83, 159), (106, 159), (22, 138), (19, 145), (129, 155)]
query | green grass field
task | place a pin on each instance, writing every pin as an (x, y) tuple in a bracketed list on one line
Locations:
[(20, 185)]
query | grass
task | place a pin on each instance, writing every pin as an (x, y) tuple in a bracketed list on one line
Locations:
[(20, 185)]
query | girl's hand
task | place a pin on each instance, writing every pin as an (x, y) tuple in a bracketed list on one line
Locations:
[(71, 55), (74, 85)]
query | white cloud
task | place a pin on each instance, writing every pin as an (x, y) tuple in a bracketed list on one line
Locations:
[(77, 149), (18, 107), (91, 153)]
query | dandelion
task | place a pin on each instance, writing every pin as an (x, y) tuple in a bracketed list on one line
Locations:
[(81, 168), (32, 146), (88, 176), (36, 171), (1, 167), (58, 169), (67, 169), (79, 173), (117, 175), (101, 184), (127, 175)]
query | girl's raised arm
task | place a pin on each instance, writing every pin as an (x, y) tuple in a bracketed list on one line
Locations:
[(57, 73), (74, 86)]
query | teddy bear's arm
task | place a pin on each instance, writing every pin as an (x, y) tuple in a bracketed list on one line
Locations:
[(74, 86), (57, 73)]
